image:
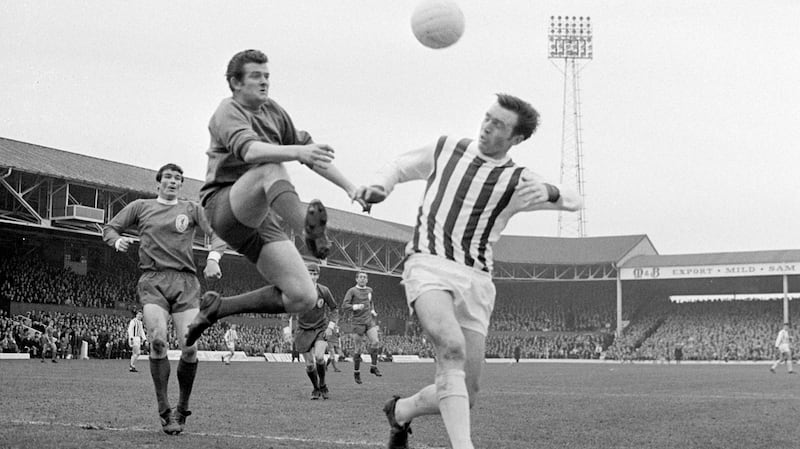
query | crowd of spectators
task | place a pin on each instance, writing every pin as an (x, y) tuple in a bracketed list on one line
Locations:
[(706, 330), (559, 315), (537, 328), (31, 280), (104, 334)]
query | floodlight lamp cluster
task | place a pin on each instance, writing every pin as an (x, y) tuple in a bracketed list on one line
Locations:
[(570, 37)]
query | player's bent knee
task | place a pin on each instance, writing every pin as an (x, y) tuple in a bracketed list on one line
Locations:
[(189, 352), (452, 351), (158, 347), (300, 297)]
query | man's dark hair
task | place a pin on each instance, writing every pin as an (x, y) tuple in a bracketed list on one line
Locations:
[(527, 117), (170, 166), (237, 62)]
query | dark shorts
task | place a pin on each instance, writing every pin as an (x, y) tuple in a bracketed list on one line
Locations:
[(173, 291), (245, 240), (361, 329), (304, 339)]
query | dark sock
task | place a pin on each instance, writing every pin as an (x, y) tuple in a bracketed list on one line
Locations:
[(186, 373), (283, 200), (267, 299), (312, 374), (159, 371), (357, 363), (321, 374), (373, 355)]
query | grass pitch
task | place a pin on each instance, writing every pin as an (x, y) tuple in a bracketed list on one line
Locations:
[(98, 404)]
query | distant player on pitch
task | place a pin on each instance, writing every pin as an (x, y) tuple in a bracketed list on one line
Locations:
[(784, 345), (472, 189), (359, 300), (231, 337), (48, 341), (313, 329), (136, 337), (334, 348)]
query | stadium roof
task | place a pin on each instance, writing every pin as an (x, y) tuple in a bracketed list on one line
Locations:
[(713, 265), (629, 252), (88, 170), (82, 169), (553, 250), (747, 257)]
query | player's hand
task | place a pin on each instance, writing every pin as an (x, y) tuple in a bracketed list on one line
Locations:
[(371, 194), (130, 342), (123, 243), (315, 155), (328, 333), (212, 270), (531, 191), (374, 313)]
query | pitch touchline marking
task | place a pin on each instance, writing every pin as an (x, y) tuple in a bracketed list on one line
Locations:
[(754, 396), (316, 441)]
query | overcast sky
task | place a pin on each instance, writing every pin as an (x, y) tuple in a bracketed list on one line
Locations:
[(690, 108)]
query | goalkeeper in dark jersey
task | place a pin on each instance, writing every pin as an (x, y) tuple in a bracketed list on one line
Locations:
[(314, 327), (359, 300)]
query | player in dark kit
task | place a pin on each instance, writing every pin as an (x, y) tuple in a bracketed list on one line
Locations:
[(168, 285), (313, 329), (359, 300), (248, 189)]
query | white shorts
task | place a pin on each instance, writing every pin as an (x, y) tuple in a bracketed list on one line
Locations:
[(784, 349), (231, 347), (137, 342), (473, 290)]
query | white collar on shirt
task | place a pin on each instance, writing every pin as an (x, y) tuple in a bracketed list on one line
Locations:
[(167, 202)]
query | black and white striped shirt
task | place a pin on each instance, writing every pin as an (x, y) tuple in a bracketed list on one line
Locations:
[(467, 202), (135, 329)]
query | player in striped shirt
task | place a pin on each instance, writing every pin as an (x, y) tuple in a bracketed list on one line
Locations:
[(136, 337), (472, 189), (231, 337), (784, 345), (168, 285), (48, 341)]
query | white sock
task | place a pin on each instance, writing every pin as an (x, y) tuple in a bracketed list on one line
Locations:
[(424, 402), (451, 389)]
